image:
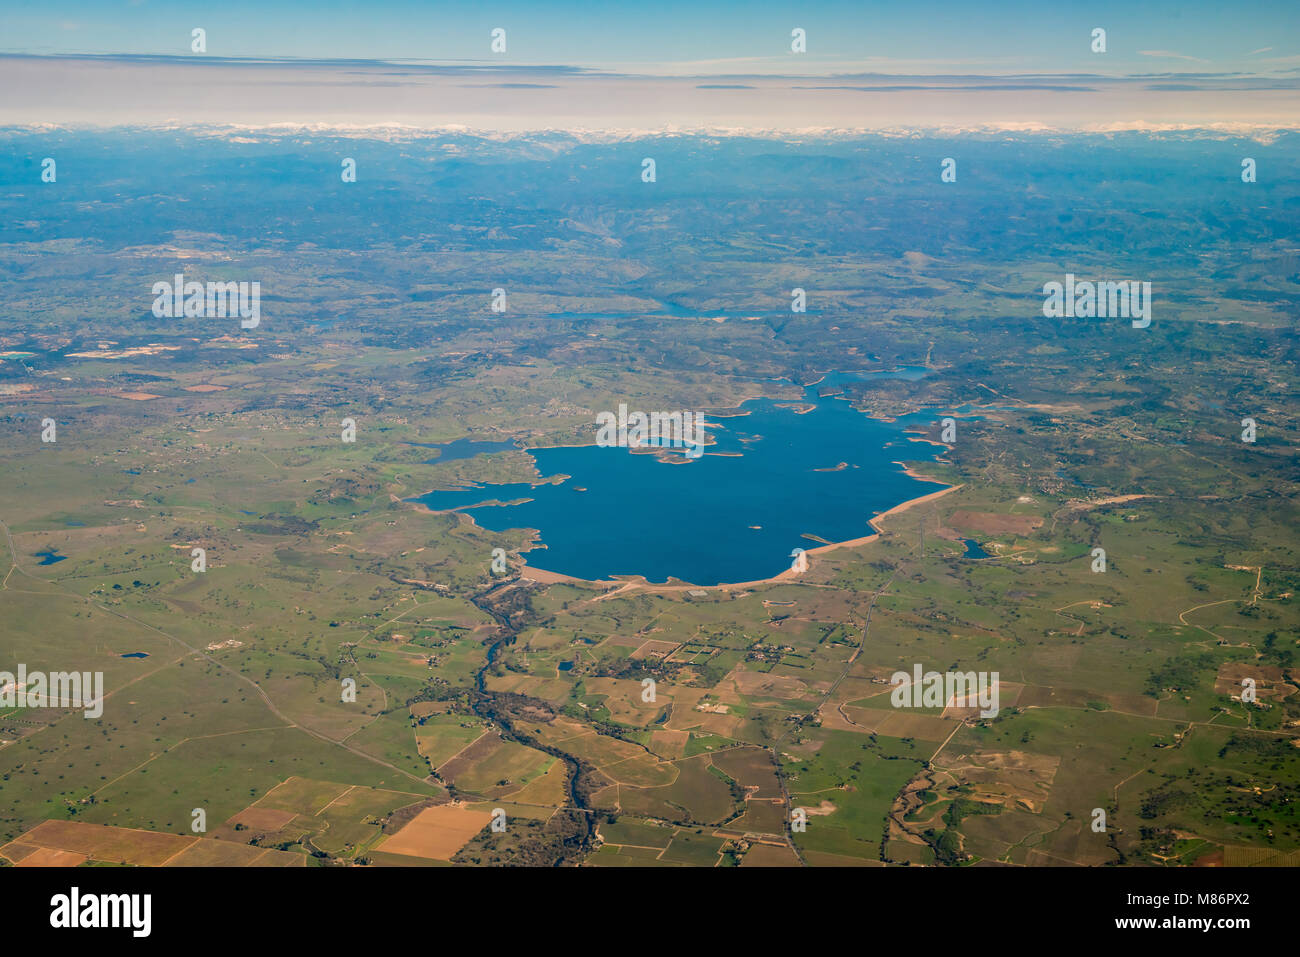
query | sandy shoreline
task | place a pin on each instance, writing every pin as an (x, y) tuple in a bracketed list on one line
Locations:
[(639, 583)]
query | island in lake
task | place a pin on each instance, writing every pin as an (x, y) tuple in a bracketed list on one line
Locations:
[(734, 515)]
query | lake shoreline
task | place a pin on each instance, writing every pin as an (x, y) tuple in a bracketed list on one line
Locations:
[(702, 562), (544, 576), (640, 583)]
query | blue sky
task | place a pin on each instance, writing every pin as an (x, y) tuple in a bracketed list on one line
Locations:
[(694, 36)]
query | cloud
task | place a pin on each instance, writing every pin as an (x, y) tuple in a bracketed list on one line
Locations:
[(1171, 55), (974, 88), (512, 86), (118, 91)]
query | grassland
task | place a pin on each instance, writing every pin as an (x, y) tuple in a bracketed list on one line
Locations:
[(1120, 691)]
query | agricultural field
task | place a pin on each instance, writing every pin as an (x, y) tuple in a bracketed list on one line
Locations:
[(354, 678)]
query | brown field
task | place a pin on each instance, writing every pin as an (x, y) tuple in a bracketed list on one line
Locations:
[(207, 853), (669, 744), (422, 709), (1008, 697), (769, 855), (437, 832), (623, 699), (15, 851), (641, 770), (116, 845), (262, 818), (1269, 682), (618, 760), (895, 724), (704, 796), (403, 860), (726, 725), (554, 690), (684, 716), (69, 843), (274, 859), (1010, 778), (762, 817), (751, 768), (468, 758), (544, 577), (49, 857), (513, 763), (757, 684), (994, 523), (623, 641), (824, 859)]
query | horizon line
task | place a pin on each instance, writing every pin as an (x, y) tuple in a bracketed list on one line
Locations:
[(484, 65)]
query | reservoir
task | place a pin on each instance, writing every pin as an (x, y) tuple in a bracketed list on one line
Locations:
[(784, 475)]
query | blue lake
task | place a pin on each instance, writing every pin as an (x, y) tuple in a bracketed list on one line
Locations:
[(626, 513), (50, 557)]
